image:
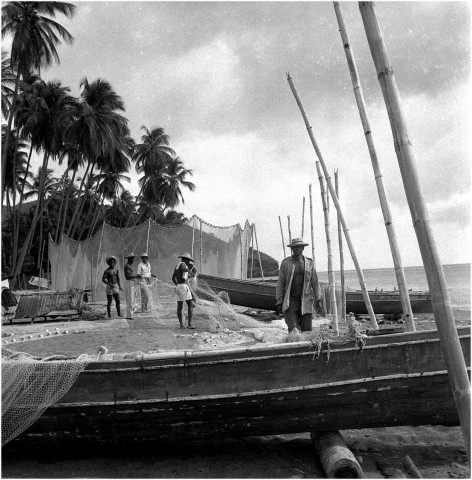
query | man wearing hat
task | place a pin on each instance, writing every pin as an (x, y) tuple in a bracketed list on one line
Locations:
[(144, 272), (111, 278), (130, 285), (182, 272), (297, 288)]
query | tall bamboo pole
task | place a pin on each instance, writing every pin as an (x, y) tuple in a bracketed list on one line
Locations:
[(201, 247), (282, 233), (442, 309), (303, 218), (338, 207), (341, 254), (258, 252), (289, 231), (332, 287), (252, 249), (392, 238), (193, 234), (311, 224)]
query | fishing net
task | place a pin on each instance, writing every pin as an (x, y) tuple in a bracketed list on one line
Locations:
[(218, 251), (30, 385)]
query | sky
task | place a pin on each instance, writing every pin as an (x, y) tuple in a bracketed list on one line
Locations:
[(213, 75)]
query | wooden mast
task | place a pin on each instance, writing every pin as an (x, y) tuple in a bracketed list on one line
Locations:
[(338, 206), (289, 231), (341, 254), (311, 224), (392, 238), (303, 218), (282, 233), (332, 288), (442, 309)]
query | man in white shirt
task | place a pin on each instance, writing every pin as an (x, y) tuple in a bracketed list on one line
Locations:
[(144, 270)]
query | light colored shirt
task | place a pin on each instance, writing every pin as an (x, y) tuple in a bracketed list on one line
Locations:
[(144, 269)]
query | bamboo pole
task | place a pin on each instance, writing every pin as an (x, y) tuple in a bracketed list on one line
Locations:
[(338, 207), (201, 248), (311, 224), (332, 288), (193, 234), (258, 253), (392, 237), (282, 233), (252, 249), (341, 254), (442, 309), (289, 231), (303, 218)]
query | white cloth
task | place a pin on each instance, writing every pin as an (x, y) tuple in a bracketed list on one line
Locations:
[(144, 269), (183, 292), (130, 295)]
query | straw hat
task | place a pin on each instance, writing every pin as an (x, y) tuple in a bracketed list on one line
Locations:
[(108, 259), (297, 242), (144, 255), (186, 255), (131, 255)]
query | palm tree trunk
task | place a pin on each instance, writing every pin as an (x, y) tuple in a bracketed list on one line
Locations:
[(38, 265), (90, 208), (13, 213), (78, 201), (71, 186), (95, 220), (7, 136), (79, 215), (17, 229), (61, 182), (134, 206)]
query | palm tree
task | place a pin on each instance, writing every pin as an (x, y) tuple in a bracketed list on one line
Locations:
[(173, 179), (34, 37), (151, 156), (97, 130), (120, 210), (46, 134), (8, 84)]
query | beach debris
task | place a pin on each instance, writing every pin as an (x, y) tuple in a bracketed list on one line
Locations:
[(102, 350)]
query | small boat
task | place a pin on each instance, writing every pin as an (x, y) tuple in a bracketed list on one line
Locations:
[(261, 295), (264, 389)]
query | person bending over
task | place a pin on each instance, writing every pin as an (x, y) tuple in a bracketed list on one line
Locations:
[(180, 278), (111, 278)]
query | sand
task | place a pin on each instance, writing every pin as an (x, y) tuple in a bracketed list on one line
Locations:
[(438, 452)]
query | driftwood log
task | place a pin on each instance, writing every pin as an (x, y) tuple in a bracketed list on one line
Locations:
[(335, 457)]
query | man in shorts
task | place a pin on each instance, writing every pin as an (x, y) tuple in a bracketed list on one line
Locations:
[(111, 278), (182, 272)]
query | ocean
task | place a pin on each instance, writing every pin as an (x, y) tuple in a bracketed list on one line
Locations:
[(457, 278)]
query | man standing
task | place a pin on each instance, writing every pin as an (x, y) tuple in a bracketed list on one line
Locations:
[(183, 271), (130, 286), (111, 278), (144, 272), (298, 288)]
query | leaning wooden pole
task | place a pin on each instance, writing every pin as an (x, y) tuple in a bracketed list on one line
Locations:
[(442, 309), (311, 224), (282, 233), (303, 218), (392, 238), (289, 230), (337, 205), (341, 255), (258, 253), (251, 246), (332, 286)]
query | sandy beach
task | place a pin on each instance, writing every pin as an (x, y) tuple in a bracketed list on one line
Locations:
[(438, 452)]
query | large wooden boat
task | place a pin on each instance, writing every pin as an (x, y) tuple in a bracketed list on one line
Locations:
[(264, 389), (257, 294)]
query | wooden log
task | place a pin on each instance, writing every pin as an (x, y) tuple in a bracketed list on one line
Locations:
[(387, 216), (311, 224), (335, 457), (332, 288), (282, 233), (443, 314), (410, 467), (341, 255), (347, 236)]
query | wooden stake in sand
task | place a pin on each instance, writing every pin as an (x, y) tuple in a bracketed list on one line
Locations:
[(442, 309), (282, 233), (392, 238), (338, 207), (311, 224), (332, 286), (289, 231), (303, 218), (341, 254)]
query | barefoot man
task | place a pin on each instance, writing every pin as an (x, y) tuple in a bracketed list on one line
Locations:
[(130, 285), (182, 272), (111, 278)]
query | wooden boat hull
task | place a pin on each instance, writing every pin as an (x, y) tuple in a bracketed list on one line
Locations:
[(268, 389), (261, 295)]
